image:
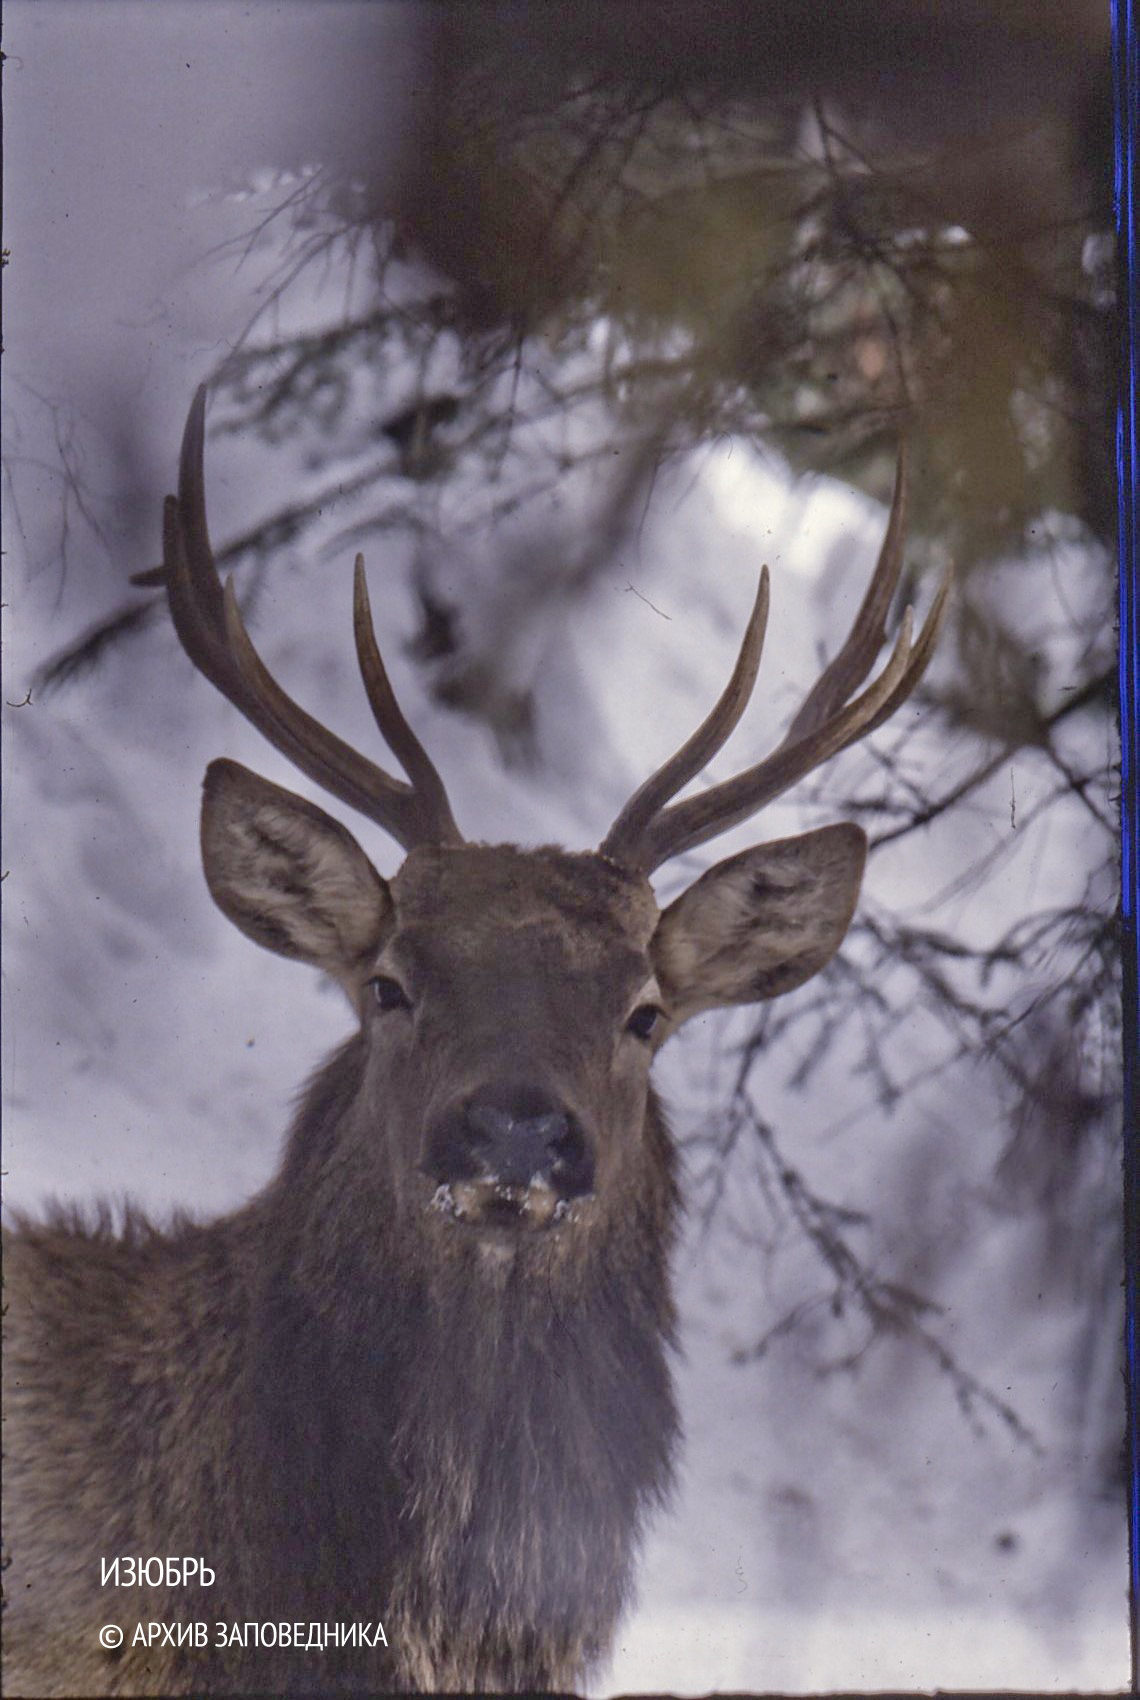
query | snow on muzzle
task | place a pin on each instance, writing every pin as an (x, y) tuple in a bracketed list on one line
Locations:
[(511, 1155)]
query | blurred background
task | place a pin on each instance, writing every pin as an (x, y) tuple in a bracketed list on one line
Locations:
[(569, 318)]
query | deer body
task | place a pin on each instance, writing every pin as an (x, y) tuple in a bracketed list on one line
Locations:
[(423, 1378), (424, 1462)]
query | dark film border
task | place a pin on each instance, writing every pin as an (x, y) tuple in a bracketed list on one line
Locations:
[(1126, 81)]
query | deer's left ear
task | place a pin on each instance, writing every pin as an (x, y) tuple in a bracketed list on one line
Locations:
[(760, 923)]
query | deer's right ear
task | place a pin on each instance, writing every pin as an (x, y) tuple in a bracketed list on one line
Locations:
[(292, 878)]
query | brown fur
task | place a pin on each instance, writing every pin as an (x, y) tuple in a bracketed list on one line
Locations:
[(350, 1405)]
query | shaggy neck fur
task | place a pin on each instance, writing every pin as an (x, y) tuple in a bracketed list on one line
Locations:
[(465, 1450)]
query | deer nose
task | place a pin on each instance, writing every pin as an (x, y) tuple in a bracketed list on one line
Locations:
[(515, 1136)]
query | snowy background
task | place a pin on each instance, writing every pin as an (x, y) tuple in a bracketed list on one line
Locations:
[(849, 1529)]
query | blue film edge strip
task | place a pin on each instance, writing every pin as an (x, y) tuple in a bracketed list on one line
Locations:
[(1126, 80)]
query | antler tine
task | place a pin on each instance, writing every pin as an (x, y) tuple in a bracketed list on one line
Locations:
[(389, 716), (826, 723), (919, 659), (697, 819), (210, 629), (847, 671), (625, 834)]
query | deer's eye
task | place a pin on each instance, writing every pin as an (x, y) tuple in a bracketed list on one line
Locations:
[(643, 1020), (389, 994)]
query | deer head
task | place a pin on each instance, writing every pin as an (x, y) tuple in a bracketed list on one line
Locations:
[(511, 1001)]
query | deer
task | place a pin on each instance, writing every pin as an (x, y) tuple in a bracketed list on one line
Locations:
[(411, 1407)]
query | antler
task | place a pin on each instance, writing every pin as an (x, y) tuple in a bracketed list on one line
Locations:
[(211, 631), (646, 833)]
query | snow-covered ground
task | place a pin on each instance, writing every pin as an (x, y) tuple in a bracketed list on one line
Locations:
[(847, 1530)]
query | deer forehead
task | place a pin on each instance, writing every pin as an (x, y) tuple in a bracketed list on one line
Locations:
[(478, 898)]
